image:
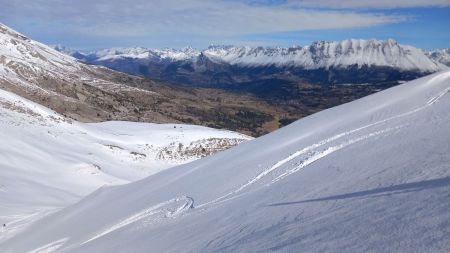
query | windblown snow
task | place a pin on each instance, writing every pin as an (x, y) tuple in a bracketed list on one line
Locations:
[(372, 175)]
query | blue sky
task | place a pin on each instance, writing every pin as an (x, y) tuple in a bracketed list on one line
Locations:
[(96, 24)]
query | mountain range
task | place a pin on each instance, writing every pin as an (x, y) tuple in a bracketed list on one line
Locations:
[(353, 61)]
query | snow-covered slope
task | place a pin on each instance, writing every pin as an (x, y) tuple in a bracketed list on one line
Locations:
[(48, 161), (372, 175), (42, 74), (23, 61), (440, 55), (335, 54)]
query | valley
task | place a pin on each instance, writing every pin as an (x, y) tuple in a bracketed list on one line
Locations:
[(298, 81)]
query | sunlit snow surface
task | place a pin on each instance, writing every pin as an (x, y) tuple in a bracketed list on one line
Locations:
[(48, 161), (372, 175)]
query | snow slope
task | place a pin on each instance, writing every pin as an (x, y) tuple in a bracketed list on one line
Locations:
[(22, 59), (372, 175), (48, 161)]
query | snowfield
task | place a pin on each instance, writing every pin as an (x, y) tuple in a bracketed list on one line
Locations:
[(48, 161), (372, 175)]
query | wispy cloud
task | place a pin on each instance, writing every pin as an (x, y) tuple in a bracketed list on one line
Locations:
[(118, 18), (158, 23)]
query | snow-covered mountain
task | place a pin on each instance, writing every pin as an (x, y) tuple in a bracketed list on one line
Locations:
[(48, 161), (335, 54), (372, 175), (252, 69), (160, 55), (440, 55)]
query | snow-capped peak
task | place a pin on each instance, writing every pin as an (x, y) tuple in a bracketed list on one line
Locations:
[(324, 54), (318, 55)]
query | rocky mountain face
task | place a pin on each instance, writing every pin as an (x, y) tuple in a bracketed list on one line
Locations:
[(95, 93), (242, 68)]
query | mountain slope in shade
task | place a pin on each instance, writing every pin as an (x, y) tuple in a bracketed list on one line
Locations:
[(372, 175), (49, 161)]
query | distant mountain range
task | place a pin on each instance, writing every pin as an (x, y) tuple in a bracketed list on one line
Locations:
[(353, 61)]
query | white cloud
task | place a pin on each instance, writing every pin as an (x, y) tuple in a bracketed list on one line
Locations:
[(212, 18)]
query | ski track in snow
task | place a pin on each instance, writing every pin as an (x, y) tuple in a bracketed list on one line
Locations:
[(331, 150), (159, 212), (320, 154), (51, 247), (439, 96)]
